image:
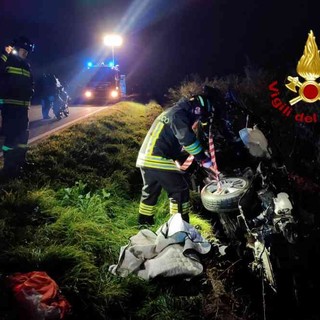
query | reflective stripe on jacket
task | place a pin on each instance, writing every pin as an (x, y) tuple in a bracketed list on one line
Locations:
[(169, 135), (16, 81), (15, 102)]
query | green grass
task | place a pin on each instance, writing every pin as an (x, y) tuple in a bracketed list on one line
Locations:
[(71, 214)]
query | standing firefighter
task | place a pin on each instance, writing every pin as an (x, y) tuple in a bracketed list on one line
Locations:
[(16, 90), (169, 135), (48, 91)]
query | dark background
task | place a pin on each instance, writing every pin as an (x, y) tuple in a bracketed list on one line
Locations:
[(164, 40)]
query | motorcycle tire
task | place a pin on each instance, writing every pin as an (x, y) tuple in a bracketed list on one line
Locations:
[(58, 115), (66, 111), (226, 200)]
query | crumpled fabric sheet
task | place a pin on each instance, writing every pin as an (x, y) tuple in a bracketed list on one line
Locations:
[(172, 251), (38, 296)]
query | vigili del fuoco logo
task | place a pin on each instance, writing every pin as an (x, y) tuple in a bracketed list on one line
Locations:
[(307, 90)]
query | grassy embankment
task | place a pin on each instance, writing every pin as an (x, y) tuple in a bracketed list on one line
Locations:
[(70, 214)]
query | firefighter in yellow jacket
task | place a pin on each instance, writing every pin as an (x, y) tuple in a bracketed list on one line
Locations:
[(170, 135), (16, 90)]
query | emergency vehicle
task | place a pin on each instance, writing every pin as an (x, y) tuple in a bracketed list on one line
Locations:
[(100, 84)]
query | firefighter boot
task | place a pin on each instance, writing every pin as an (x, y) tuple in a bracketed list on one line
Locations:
[(144, 220), (10, 167), (185, 217), (175, 207)]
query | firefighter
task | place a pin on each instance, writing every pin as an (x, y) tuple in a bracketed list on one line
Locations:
[(170, 134), (16, 91), (48, 88), (44, 89)]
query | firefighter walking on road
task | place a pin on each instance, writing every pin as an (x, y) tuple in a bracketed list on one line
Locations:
[(170, 134), (16, 90)]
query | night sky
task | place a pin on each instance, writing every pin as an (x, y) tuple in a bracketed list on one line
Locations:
[(164, 40)]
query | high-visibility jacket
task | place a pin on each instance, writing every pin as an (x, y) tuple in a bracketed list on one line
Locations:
[(16, 81), (170, 135)]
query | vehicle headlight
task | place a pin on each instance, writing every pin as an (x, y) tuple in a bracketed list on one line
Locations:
[(114, 94), (88, 94)]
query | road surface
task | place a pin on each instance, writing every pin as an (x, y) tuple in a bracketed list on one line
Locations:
[(41, 128)]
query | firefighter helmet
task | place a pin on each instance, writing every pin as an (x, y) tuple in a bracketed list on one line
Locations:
[(24, 43), (201, 107)]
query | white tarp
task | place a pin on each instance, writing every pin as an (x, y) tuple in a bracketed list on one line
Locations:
[(173, 250)]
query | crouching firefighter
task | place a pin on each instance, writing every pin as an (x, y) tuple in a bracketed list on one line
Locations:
[(170, 136), (16, 90)]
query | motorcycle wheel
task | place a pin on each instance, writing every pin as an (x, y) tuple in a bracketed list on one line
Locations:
[(226, 200), (58, 115), (66, 111)]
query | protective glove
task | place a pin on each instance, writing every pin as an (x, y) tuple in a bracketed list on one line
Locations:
[(8, 49), (207, 163)]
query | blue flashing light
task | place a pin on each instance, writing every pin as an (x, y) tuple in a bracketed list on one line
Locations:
[(89, 64), (110, 64)]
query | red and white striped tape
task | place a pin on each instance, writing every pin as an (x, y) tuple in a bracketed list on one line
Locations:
[(213, 156), (187, 163), (212, 152)]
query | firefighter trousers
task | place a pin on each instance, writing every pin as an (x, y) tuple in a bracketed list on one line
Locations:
[(15, 129), (173, 182)]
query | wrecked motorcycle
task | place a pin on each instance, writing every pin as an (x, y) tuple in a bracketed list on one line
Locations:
[(60, 106), (256, 211)]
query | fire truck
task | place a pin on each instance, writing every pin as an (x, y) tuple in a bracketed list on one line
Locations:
[(101, 84)]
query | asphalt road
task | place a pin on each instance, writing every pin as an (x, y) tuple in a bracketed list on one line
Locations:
[(40, 129)]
